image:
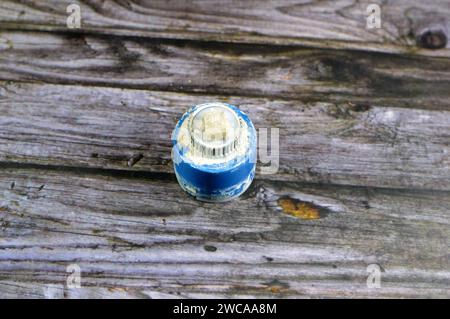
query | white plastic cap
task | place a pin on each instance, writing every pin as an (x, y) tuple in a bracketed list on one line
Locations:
[(215, 130)]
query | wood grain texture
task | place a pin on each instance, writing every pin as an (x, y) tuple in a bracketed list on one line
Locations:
[(325, 24), (345, 144), (86, 175), (243, 70), (130, 242)]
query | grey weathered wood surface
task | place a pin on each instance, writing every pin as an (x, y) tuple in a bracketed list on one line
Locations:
[(364, 140), (325, 24), (323, 142), (119, 229), (231, 69)]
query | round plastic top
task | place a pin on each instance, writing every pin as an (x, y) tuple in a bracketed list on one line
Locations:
[(215, 130)]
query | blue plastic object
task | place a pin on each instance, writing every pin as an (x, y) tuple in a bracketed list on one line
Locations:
[(214, 151)]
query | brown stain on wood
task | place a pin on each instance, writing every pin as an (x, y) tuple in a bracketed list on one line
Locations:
[(275, 289), (300, 209), (276, 286)]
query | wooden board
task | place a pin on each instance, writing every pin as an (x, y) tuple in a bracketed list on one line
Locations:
[(325, 24), (346, 144), (243, 70), (86, 176), (121, 233)]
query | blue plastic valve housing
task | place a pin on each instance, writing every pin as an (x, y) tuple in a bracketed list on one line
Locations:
[(214, 151)]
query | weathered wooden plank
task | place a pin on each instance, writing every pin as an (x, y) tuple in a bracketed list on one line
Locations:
[(245, 70), (129, 242), (326, 24), (346, 144)]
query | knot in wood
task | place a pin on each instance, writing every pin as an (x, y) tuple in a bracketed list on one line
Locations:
[(432, 39)]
